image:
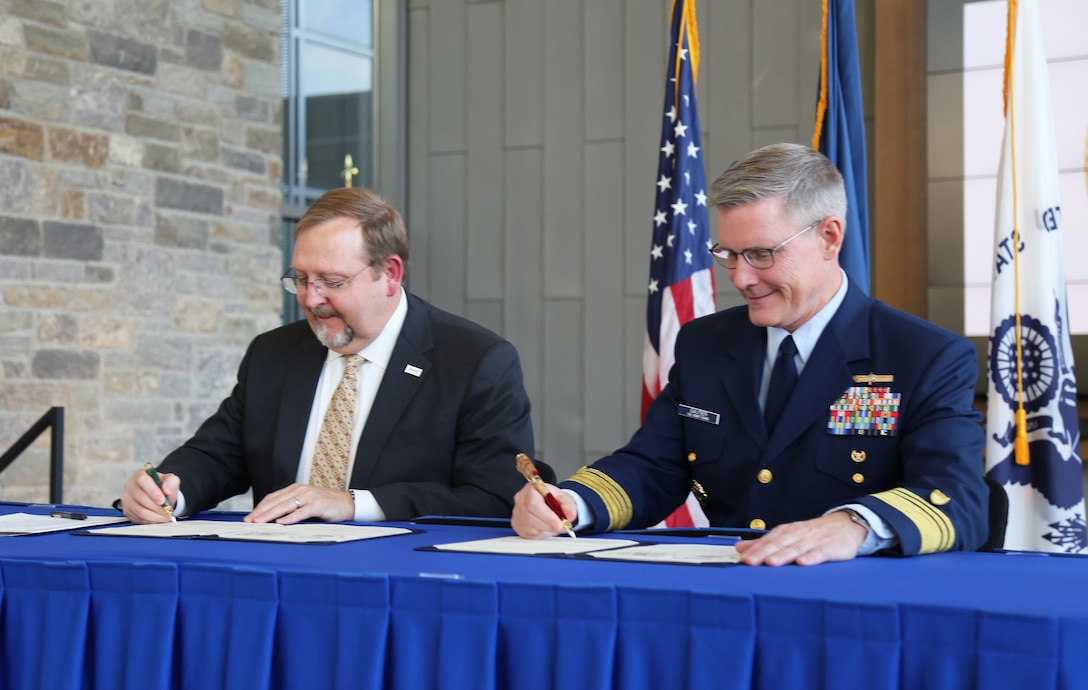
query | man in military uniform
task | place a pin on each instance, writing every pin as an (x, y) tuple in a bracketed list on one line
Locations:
[(843, 426)]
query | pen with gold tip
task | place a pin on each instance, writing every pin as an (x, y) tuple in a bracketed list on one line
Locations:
[(528, 470), (154, 474)]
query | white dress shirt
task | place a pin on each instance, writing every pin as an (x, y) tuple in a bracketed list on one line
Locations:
[(369, 377)]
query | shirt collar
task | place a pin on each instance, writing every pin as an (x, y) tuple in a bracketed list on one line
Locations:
[(380, 350), (809, 333)]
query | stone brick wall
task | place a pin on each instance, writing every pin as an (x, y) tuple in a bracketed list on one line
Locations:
[(139, 224)]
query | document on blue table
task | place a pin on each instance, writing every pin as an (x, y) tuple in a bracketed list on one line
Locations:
[(686, 554), (17, 524), (552, 546), (302, 533)]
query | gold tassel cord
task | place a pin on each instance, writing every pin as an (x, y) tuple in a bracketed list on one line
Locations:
[(821, 106), (689, 26), (1020, 443)]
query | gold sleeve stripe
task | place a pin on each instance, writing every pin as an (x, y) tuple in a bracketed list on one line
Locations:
[(936, 530), (616, 500)]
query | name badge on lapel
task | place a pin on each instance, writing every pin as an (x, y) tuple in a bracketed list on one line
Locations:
[(698, 414)]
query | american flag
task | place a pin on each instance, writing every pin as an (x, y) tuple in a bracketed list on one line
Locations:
[(681, 274)]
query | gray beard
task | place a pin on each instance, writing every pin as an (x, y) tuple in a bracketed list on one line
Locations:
[(333, 341)]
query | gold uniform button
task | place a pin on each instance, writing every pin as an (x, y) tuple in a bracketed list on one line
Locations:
[(939, 498), (764, 476), (691, 457), (858, 477), (857, 455), (757, 524)]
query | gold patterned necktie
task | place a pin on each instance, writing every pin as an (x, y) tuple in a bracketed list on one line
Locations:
[(330, 467)]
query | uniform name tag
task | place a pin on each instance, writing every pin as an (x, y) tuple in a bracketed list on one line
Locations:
[(698, 414)]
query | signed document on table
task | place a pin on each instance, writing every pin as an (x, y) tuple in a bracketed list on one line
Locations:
[(301, 533), (552, 546), (690, 554), (15, 524), (603, 549)]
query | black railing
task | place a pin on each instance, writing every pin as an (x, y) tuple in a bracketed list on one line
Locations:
[(53, 420)]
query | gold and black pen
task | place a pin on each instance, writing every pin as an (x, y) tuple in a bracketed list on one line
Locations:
[(154, 474), (528, 470)]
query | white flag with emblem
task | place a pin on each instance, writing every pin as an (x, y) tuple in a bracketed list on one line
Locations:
[(1032, 433)]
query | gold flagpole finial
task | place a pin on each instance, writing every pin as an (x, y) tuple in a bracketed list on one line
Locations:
[(349, 170)]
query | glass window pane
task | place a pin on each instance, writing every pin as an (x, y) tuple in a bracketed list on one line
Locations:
[(337, 88), (346, 19)]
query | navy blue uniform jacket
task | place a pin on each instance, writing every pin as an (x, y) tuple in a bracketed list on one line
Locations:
[(925, 480), (441, 443)]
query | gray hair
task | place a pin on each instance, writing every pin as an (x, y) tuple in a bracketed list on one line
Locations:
[(808, 184)]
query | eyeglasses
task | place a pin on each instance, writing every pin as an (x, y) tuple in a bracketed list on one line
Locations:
[(757, 257), (294, 283)]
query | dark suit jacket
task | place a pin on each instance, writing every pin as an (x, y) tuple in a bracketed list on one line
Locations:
[(442, 443), (935, 454)]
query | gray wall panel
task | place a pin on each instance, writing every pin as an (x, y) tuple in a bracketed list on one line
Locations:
[(604, 373), (603, 41), (448, 237), (417, 213), (944, 120), (487, 313), (561, 434), (763, 136), (944, 31), (448, 79), (523, 25), (564, 189), (728, 119), (523, 308), (774, 63), (485, 213), (944, 250)]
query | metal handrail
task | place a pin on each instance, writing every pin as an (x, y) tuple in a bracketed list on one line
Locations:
[(53, 420)]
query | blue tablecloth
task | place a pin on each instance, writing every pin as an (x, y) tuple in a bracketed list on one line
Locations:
[(112, 612)]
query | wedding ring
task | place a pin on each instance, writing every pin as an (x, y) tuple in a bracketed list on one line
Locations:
[(298, 503)]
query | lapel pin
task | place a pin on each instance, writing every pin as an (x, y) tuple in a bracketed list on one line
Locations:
[(871, 378), (413, 370)]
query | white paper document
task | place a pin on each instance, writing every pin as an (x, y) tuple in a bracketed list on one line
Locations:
[(691, 554), (535, 547), (301, 533), (15, 524)]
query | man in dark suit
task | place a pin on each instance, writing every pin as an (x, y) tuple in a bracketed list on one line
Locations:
[(875, 444), (437, 413)]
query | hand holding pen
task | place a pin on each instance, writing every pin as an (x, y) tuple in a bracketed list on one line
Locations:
[(154, 474), (528, 470)]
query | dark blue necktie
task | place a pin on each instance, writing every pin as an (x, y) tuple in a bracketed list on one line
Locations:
[(783, 377)]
